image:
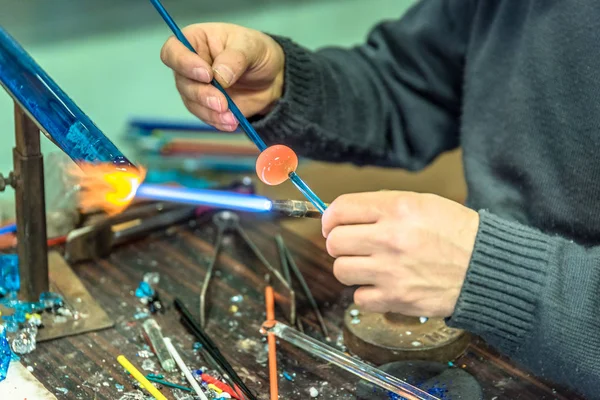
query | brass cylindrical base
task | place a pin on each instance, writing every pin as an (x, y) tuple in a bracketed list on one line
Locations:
[(384, 338)]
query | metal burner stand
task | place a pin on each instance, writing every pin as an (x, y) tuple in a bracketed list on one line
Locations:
[(42, 271)]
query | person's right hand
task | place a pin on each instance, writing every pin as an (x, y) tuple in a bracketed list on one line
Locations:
[(247, 63)]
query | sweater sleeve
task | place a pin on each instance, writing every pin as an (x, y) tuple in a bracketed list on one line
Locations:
[(393, 101), (536, 298)]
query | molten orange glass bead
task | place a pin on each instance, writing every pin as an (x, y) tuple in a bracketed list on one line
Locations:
[(275, 164)]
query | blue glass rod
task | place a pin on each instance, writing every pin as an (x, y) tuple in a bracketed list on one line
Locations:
[(244, 123), (51, 109)]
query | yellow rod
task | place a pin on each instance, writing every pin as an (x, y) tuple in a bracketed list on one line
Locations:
[(140, 378)]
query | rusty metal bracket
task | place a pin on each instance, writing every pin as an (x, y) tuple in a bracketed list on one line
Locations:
[(32, 248)]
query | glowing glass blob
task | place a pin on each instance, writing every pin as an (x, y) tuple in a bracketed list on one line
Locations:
[(102, 187), (275, 164)]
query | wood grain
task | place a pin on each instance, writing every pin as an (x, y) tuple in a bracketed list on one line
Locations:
[(86, 365)]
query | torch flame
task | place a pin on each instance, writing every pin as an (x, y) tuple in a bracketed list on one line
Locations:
[(106, 186)]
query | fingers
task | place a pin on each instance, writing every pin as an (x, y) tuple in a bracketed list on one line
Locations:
[(222, 121), (353, 240), (204, 94), (231, 63), (372, 299), (184, 62), (355, 271), (206, 102), (351, 209)]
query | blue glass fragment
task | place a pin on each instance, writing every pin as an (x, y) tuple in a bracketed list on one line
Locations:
[(288, 376), (144, 290), (9, 273), (11, 326), (5, 354), (51, 300)]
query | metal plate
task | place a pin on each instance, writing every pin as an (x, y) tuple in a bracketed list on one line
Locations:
[(384, 338), (64, 282)]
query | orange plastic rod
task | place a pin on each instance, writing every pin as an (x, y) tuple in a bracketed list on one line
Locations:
[(270, 303)]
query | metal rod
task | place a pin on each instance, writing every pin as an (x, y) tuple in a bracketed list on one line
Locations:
[(285, 267), (350, 364), (227, 221), (272, 270), (295, 208), (208, 276), (311, 299), (210, 347), (32, 244)]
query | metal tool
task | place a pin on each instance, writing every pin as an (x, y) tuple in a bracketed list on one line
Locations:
[(288, 263), (97, 241), (227, 200), (384, 338), (228, 222), (295, 208)]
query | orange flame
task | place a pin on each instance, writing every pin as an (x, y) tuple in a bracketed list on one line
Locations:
[(107, 187)]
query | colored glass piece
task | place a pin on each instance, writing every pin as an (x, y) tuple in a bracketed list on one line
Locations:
[(9, 273), (144, 290), (51, 108), (5, 354), (50, 300), (275, 164)]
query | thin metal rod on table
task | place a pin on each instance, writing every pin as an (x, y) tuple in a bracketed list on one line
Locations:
[(32, 244), (291, 265), (228, 222)]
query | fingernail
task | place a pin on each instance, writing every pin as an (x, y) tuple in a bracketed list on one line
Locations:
[(213, 103), (228, 119), (201, 74), (225, 73), (228, 127)]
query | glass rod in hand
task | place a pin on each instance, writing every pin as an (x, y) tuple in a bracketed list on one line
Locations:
[(244, 123)]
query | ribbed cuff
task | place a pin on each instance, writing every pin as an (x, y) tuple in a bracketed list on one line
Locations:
[(301, 95), (506, 276)]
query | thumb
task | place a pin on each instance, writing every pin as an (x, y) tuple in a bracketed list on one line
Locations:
[(230, 64)]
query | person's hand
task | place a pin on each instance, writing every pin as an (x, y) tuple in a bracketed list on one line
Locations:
[(247, 63), (409, 252)]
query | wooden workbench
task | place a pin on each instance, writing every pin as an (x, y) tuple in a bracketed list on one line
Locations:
[(85, 367)]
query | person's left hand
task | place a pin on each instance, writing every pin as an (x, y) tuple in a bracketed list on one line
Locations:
[(409, 252)]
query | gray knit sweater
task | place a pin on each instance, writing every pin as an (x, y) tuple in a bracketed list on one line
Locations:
[(516, 84)]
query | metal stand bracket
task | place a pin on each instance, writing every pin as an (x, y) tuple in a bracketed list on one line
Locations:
[(32, 248)]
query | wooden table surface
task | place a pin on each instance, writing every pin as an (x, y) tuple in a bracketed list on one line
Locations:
[(85, 367)]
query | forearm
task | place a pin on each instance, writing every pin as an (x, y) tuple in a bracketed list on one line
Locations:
[(393, 101), (536, 298)]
